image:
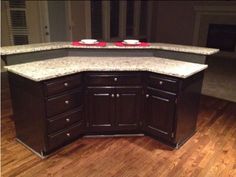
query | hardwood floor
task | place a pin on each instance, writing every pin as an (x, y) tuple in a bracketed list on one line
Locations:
[(210, 152)]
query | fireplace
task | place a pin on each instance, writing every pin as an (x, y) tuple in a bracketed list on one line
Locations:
[(222, 36), (215, 27)]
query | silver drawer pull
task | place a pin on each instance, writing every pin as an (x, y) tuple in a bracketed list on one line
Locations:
[(68, 134), (147, 95), (117, 95), (112, 95), (115, 79), (67, 120), (67, 102), (66, 84), (160, 82)]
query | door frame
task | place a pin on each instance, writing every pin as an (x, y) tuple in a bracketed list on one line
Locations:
[(44, 21), (68, 19)]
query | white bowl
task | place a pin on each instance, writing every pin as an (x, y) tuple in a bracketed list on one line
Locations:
[(89, 41), (131, 41)]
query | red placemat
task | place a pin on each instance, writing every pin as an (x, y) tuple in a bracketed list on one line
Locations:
[(142, 44), (99, 44)]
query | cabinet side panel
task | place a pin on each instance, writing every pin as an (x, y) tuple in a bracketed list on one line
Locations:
[(187, 108), (28, 111)]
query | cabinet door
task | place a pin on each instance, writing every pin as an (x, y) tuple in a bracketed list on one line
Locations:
[(128, 108), (100, 108), (160, 109)]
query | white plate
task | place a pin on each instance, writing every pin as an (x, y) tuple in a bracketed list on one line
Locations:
[(131, 41), (89, 41)]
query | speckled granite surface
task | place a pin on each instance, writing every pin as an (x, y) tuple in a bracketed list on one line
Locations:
[(60, 45), (52, 68)]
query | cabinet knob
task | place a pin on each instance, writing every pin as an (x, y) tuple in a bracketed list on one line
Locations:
[(160, 82), (68, 134), (112, 95), (66, 84), (67, 102), (115, 79), (117, 95), (147, 95), (67, 120)]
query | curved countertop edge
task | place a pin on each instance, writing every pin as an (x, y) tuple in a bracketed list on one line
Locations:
[(75, 72), (19, 69), (11, 50)]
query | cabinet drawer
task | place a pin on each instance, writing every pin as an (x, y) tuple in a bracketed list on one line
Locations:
[(113, 79), (163, 83), (65, 136), (63, 103), (64, 120), (59, 85)]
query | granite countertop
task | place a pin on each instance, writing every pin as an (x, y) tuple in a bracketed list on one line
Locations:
[(9, 50), (52, 68)]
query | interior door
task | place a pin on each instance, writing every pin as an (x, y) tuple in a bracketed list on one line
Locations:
[(44, 21), (160, 110), (100, 108), (128, 108)]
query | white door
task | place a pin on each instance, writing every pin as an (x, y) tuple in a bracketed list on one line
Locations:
[(55, 19), (44, 21)]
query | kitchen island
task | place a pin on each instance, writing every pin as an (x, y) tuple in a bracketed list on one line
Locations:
[(96, 92)]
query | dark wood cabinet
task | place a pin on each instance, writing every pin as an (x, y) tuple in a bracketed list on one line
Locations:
[(63, 137), (68, 107), (62, 103), (59, 85), (128, 108), (113, 101), (64, 120), (100, 108), (160, 113), (113, 109)]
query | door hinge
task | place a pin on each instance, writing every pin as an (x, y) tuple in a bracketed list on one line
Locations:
[(172, 135)]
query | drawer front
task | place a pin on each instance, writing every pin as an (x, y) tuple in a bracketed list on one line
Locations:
[(63, 137), (62, 103), (113, 79), (64, 120), (56, 86), (163, 83)]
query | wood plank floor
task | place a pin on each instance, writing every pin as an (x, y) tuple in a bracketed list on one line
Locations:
[(211, 152)]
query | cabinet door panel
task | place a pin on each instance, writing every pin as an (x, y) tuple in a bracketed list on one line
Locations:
[(128, 108), (101, 108), (160, 109)]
